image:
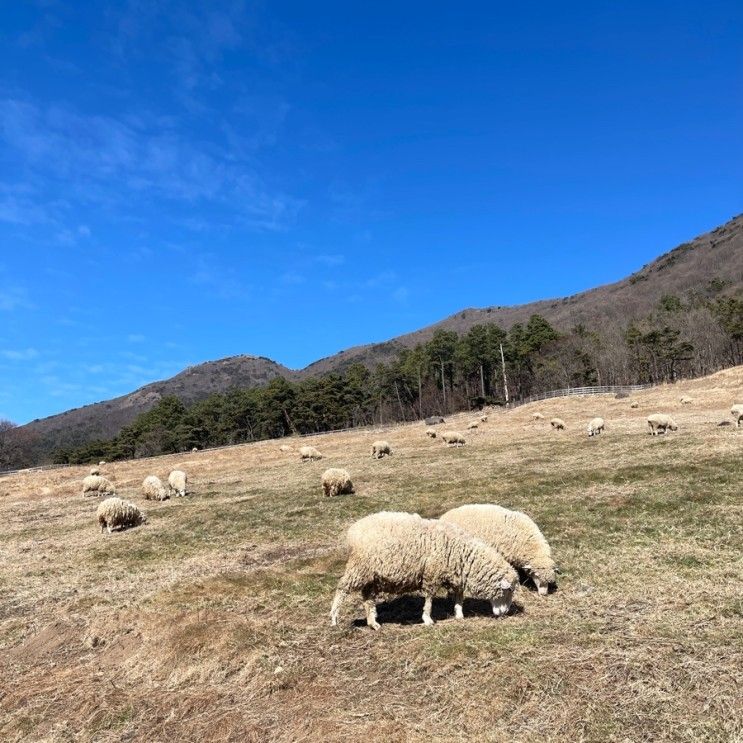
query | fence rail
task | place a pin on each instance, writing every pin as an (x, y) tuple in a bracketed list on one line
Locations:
[(612, 389), (566, 392)]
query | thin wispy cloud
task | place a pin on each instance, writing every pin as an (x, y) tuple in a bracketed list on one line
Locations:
[(23, 354)]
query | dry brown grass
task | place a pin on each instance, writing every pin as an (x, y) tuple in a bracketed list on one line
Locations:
[(210, 623)]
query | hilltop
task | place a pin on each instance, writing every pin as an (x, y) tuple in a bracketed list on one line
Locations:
[(707, 268)]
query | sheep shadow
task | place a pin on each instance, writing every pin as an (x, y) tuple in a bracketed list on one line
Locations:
[(407, 610)]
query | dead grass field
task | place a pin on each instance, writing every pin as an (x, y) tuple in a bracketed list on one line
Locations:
[(210, 623)]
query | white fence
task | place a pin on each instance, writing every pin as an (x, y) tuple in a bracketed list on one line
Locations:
[(580, 391)]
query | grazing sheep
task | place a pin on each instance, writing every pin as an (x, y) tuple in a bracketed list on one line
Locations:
[(558, 424), (309, 452), (513, 534), (472, 425), (153, 489), (286, 447), (380, 449), (194, 450), (537, 416), (453, 438), (724, 423), (483, 419), (102, 463), (401, 552), (661, 423), (430, 433), (737, 412), (95, 470), (115, 513), (177, 480), (336, 482), (434, 420), (97, 485), (635, 405), (596, 426), (685, 400)]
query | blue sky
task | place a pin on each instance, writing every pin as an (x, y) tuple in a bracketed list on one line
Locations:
[(185, 181)]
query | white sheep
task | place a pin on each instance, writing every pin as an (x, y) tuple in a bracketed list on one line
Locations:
[(661, 423), (153, 489), (95, 470), (635, 405), (380, 449), (737, 412), (336, 481), (595, 426), (194, 450), (686, 400), (400, 552), (309, 452), (558, 424), (431, 433), (513, 534), (177, 480), (537, 416), (115, 513), (286, 448), (483, 419), (97, 485), (472, 425), (102, 463), (453, 438)]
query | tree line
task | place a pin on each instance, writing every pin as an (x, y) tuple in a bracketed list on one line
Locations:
[(451, 372)]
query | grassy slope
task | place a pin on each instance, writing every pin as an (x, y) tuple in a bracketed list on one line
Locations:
[(210, 622)]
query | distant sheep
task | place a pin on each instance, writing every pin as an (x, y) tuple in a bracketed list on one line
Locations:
[(381, 449), (513, 534), (537, 416), (635, 405), (194, 450), (430, 433), (737, 412), (483, 419), (558, 424), (596, 426), (453, 438), (97, 485), (177, 480), (336, 482), (401, 552), (286, 447), (685, 400), (472, 425), (434, 420), (661, 423), (102, 463), (153, 489), (309, 452), (115, 513), (95, 470)]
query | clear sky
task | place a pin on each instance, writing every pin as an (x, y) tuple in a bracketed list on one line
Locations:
[(186, 181)]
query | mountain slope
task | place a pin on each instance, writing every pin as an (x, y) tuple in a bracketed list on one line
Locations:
[(710, 265)]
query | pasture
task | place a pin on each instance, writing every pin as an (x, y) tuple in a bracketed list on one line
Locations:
[(210, 622)]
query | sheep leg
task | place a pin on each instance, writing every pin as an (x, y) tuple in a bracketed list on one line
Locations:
[(458, 601), (370, 607), (427, 604), (340, 595)]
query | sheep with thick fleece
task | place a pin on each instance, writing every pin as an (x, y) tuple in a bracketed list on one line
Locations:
[(431, 433), (381, 449), (737, 412), (661, 423), (309, 452), (116, 513), (453, 438), (558, 424), (595, 426), (513, 534), (153, 489), (98, 485), (537, 416), (336, 481), (177, 481), (95, 470), (472, 425), (401, 552)]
